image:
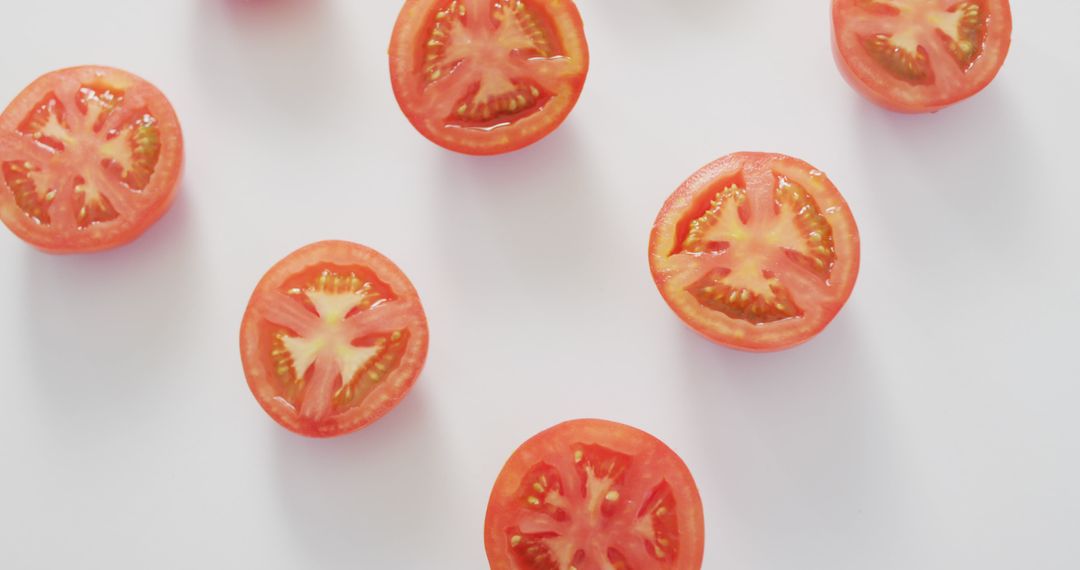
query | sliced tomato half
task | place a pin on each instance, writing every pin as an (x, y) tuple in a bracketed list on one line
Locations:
[(333, 338), (918, 56), (594, 495), (90, 157), (487, 76), (756, 251)]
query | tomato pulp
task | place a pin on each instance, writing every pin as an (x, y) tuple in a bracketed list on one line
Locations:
[(487, 76), (90, 157), (333, 337), (594, 495), (755, 251), (918, 56)]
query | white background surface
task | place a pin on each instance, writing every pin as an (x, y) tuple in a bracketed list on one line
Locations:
[(933, 425)]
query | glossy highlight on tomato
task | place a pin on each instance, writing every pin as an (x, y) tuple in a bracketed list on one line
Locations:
[(487, 76), (918, 56), (90, 158), (333, 337), (755, 251), (591, 495)]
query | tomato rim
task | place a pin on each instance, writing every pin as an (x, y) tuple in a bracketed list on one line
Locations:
[(876, 86), (413, 21), (717, 327), (557, 440), (153, 201), (253, 358)]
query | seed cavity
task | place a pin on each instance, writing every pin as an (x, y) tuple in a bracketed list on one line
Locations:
[(97, 102), (724, 209), (439, 61), (92, 206), (817, 252), (907, 63), (532, 550), (745, 303), (542, 490), (966, 44), (617, 559), (518, 98), (47, 124), (601, 473), (520, 29), (33, 195), (131, 152), (385, 360), (658, 523)]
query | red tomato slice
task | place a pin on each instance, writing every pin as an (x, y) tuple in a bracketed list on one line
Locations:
[(487, 76), (594, 495), (755, 251), (90, 157), (333, 338), (918, 56)]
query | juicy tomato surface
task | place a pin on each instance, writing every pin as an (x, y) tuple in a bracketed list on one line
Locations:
[(918, 56), (90, 158), (487, 76), (755, 251), (333, 338), (594, 495)]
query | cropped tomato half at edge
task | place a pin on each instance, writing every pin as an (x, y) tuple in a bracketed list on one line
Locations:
[(756, 251), (90, 158), (918, 56), (594, 495), (487, 76), (333, 338)]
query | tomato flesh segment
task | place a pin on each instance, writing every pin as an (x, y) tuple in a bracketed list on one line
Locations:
[(484, 54), (561, 534), (333, 335), (907, 31), (109, 150), (748, 287)]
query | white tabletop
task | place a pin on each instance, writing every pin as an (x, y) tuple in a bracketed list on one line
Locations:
[(933, 425)]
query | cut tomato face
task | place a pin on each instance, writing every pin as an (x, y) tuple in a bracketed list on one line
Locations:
[(918, 56), (333, 338), (90, 157), (487, 76), (594, 495), (756, 251)]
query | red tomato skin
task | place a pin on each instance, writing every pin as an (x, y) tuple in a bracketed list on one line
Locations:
[(169, 176)]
